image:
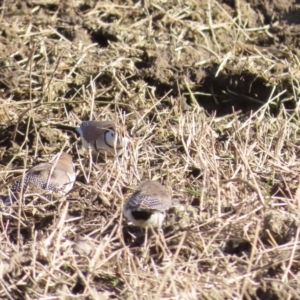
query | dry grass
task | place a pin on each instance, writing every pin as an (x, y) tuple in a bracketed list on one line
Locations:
[(232, 160)]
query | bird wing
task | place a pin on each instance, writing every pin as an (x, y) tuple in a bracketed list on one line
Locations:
[(94, 130), (140, 201)]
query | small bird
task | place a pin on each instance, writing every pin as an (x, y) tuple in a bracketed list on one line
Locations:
[(57, 176), (147, 205), (102, 137)]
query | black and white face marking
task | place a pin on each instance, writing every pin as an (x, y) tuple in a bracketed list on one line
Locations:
[(109, 138)]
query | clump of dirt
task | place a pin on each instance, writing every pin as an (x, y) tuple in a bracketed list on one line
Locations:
[(279, 227)]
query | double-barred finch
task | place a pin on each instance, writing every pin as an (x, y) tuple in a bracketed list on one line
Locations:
[(148, 204), (57, 176), (101, 137)]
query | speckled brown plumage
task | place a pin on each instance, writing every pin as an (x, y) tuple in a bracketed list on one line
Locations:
[(55, 176)]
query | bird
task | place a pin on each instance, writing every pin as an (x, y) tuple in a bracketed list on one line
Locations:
[(56, 176), (101, 137), (147, 205)]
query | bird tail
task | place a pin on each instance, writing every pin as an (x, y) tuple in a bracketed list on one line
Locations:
[(65, 127)]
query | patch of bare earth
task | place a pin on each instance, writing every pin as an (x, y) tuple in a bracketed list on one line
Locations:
[(208, 91)]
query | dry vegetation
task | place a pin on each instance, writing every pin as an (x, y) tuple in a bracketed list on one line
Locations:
[(208, 91)]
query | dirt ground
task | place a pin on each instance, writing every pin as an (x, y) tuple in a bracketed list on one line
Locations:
[(208, 91)]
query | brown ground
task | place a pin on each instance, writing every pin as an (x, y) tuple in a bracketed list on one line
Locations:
[(233, 160)]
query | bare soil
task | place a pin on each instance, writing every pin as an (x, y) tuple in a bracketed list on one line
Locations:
[(208, 91)]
